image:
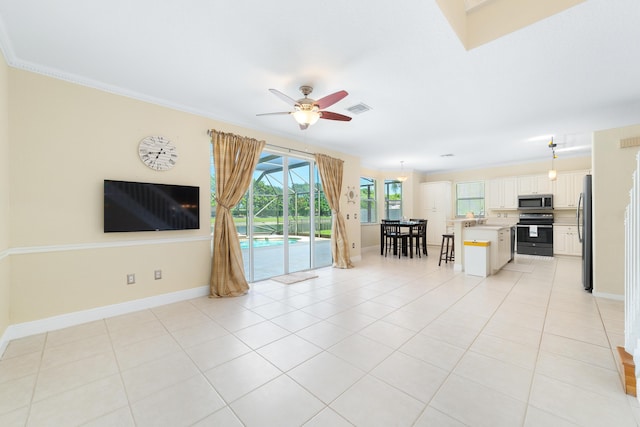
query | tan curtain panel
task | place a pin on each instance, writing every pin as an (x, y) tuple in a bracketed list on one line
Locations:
[(234, 158), (331, 175)]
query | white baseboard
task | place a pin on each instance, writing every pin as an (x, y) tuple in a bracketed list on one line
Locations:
[(605, 295), (25, 329)]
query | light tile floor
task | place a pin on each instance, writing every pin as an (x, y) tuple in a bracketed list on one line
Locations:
[(391, 342)]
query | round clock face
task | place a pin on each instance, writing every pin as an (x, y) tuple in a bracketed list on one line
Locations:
[(158, 153)]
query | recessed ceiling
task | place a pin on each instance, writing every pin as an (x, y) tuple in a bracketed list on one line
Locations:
[(567, 75), (483, 21), (471, 4)]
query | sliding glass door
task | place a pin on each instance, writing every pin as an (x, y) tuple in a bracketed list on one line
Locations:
[(300, 209), (284, 222)]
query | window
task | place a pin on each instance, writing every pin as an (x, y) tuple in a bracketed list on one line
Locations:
[(368, 200), (470, 198), (392, 199)]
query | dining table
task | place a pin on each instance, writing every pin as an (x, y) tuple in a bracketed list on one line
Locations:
[(410, 226)]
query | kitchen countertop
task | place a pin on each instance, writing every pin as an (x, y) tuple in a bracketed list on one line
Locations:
[(491, 227), (471, 220), (565, 222)]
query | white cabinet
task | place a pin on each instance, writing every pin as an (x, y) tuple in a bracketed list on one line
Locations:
[(504, 246), (565, 240), (501, 193), (568, 189), (500, 247), (436, 208), (534, 184)]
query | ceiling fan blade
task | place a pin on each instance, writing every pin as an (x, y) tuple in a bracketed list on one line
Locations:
[(334, 116), (274, 114), (284, 97), (329, 100)]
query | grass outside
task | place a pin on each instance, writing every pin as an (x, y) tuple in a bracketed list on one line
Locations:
[(274, 224)]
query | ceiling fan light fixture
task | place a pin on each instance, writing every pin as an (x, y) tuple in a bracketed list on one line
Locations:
[(306, 116), (307, 111)]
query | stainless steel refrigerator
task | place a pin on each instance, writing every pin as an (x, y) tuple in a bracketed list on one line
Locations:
[(584, 216)]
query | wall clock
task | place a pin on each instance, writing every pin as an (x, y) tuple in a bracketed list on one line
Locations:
[(158, 153)]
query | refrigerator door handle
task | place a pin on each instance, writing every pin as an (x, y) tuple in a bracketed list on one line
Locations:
[(580, 202)]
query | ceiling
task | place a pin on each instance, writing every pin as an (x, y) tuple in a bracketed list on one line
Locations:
[(567, 75)]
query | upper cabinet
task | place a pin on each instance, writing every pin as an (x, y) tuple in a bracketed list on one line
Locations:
[(501, 193), (534, 184), (568, 189)]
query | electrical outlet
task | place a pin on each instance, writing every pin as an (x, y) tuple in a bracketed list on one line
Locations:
[(131, 279), (353, 245), (157, 274), (347, 216), (355, 216)]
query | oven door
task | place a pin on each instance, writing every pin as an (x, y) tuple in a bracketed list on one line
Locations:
[(535, 239)]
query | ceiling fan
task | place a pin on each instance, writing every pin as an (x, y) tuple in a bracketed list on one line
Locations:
[(307, 111)]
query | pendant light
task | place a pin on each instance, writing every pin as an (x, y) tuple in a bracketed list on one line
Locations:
[(402, 177), (553, 173)]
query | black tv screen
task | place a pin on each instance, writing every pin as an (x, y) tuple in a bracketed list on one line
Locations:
[(140, 206)]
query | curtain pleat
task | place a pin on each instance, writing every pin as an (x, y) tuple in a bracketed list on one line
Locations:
[(331, 171), (234, 157)]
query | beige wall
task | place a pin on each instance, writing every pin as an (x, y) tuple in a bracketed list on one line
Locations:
[(612, 170), (65, 139), (4, 198)]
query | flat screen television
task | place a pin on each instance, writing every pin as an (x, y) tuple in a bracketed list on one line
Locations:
[(142, 206)]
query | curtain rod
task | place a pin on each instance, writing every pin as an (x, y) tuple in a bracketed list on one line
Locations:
[(210, 133)]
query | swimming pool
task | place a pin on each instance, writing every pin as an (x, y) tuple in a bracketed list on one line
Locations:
[(262, 242)]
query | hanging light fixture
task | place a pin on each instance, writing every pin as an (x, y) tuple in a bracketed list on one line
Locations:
[(553, 173), (402, 177)]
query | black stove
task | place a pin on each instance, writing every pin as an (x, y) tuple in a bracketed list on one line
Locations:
[(534, 234)]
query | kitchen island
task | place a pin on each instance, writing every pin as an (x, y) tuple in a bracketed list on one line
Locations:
[(500, 238), (477, 229), (458, 226)]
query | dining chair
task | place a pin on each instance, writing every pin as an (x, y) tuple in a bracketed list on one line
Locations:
[(419, 236), (393, 238)]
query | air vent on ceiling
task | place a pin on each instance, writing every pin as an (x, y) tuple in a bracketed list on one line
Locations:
[(630, 142), (447, 155), (359, 108)]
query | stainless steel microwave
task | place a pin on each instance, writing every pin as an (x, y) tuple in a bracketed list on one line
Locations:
[(535, 201)]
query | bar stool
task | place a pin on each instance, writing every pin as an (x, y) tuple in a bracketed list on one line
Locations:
[(447, 250)]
